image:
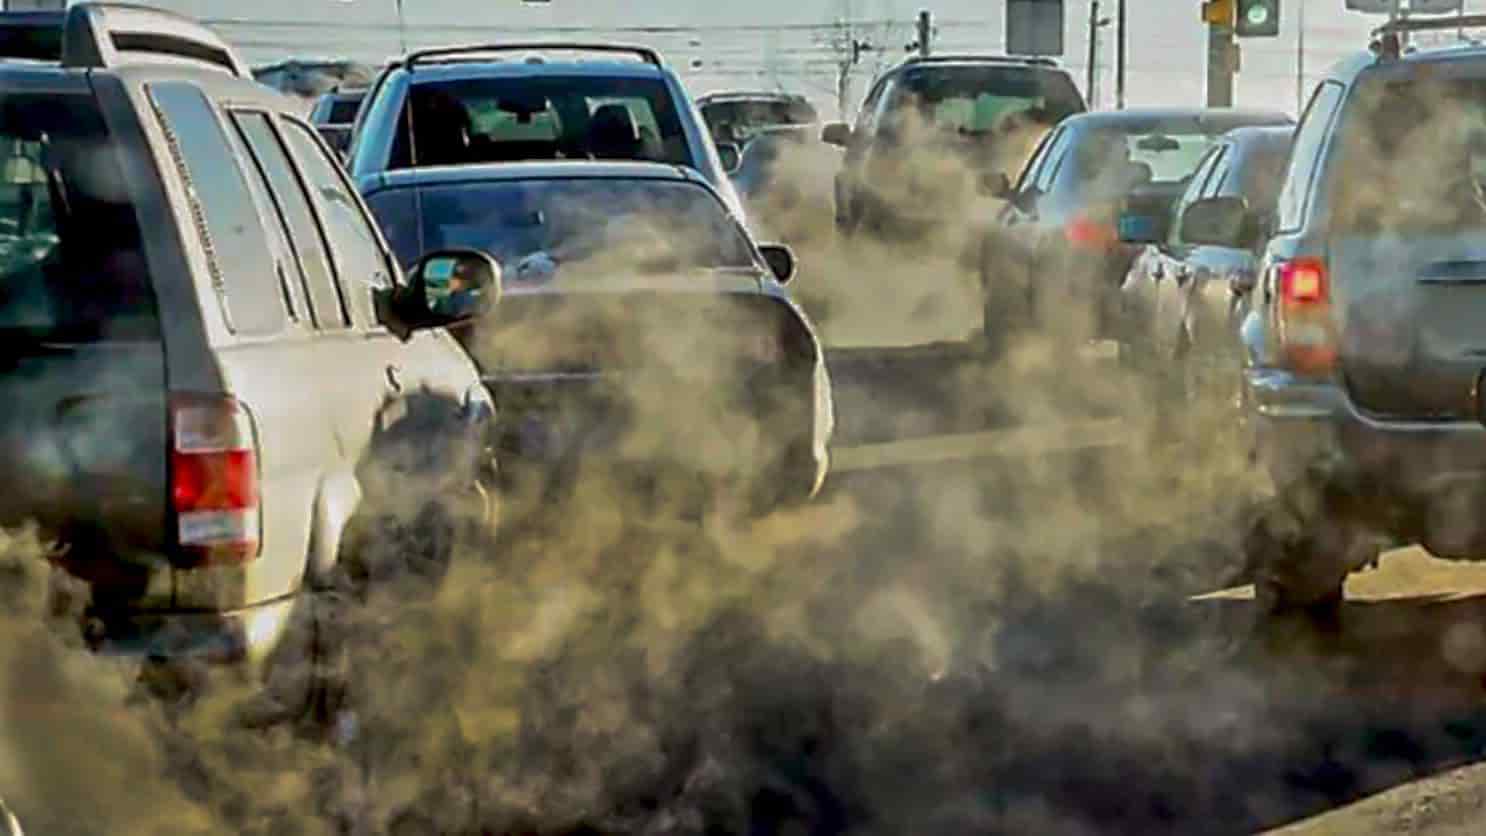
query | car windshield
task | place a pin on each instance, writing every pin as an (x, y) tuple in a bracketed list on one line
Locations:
[(71, 264), (1412, 158), (979, 99), (608, 225), (738, 121), (544, 118)]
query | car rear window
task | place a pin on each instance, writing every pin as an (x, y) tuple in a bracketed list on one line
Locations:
[(739, 120), (1411, 157), (547, 118), (975, 99), (72, 266), (1112, 160), (626, 225)]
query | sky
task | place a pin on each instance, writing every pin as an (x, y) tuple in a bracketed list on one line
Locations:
[(1166, 54)]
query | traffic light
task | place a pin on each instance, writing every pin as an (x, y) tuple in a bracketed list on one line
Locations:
[(1217, 12), (1257, 19)]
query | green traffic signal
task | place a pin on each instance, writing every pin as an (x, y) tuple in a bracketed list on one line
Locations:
[(1257, 19)]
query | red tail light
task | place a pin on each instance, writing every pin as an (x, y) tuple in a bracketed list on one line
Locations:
[(214, 480), (1307, 329), (1086, 233)]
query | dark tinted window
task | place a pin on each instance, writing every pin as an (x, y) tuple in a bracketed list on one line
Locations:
[(625, 225), (309, 246), (236, 244), (343, 109), (354, 247), (70, 269), (1310, 138), (509, 119)]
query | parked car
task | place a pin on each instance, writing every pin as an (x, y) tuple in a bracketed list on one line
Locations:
[(215, 375), (1364, 344), (736, 117), (1058, 253), (640, 322), (929, 122), (1187, 291), (472, 107), (333, 115)]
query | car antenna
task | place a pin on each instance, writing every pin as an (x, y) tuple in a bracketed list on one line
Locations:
[(402, 45)]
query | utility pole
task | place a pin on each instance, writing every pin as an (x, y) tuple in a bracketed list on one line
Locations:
[(1089, 88), (1120, 44), (1222, 51), (925, 33), (1300, 59)]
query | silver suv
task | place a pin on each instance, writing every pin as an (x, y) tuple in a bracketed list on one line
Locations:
[(1364, 337), (214, 374)]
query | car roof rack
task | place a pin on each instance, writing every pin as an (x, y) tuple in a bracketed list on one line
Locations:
[(1388, 46), (1034, 60), (644, 53), (107, 35)]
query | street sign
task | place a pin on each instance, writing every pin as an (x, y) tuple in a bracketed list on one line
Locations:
[(1034, 27)]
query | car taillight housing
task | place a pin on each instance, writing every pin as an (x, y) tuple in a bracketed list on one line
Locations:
[(1307, 328), (214, 491), (1086, 233)]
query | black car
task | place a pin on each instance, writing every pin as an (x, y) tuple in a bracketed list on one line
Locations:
[(1057, 253), (639, 323), (927, 122), (1187, 291)]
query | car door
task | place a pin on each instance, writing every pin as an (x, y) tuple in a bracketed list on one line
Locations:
[(262, 339), (429, 382), (1177, 266)]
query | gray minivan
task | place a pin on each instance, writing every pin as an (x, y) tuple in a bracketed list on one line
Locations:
[(214, 372)]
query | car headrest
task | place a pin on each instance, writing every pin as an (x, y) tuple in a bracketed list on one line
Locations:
[(612, 132)]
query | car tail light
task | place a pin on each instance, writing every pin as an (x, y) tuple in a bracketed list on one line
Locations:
[(1307, 329), (214, 480), (1084, 232)]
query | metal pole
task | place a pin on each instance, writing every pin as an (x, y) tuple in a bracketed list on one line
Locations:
[(1120, 58), (1219, 65), (925, 32), (1090, 88), (1300, 59)]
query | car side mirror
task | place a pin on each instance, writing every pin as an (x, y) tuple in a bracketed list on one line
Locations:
[(730, 155), (445, 288), (996, 184), (781, 261), (1220, 222), (837, 134)]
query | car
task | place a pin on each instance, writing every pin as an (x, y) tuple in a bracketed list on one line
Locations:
[(474, 107), (782, 181), (954, 112), (1187, 291), (640, 323), (333, 115), (221, 392), (735, 117), (1364, 346), (1054, 253)]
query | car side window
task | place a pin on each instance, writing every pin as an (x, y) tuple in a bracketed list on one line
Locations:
[(360, 261), (867, 116), (1055, 156), (225, 213), (1196, 189), (1310, 139), (293, 202), (1039, 158)]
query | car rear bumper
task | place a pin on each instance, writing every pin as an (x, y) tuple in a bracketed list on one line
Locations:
[(1420, 480), (223, 637)]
